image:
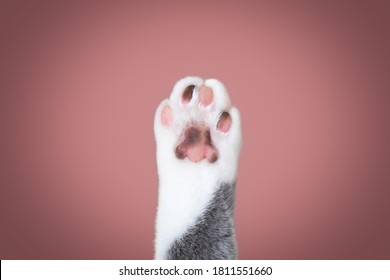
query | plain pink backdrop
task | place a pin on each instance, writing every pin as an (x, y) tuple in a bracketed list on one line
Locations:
[(80, 82)]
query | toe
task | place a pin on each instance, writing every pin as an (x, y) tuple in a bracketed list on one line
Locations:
[(224, 123), (187, 94), (166, 116), (183, 90), (220, 96), (205, 96)]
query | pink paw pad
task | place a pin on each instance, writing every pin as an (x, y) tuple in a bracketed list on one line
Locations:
[(196, 145), (225, 120), (205, 96), (187, 94), (167, 116)]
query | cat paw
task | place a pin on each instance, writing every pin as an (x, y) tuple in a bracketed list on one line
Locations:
[(198, 123), (198, 137)]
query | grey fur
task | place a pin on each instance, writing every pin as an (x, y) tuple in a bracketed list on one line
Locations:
[(213, 235)]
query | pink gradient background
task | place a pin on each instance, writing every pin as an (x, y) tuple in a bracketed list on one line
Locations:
[(79, 85)]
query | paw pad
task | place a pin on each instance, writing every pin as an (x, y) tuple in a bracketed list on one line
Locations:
[(187, 94)]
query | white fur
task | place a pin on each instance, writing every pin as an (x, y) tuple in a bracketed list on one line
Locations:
[(185, 187)]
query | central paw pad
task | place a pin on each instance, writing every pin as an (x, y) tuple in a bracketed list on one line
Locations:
[(197, 145)]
